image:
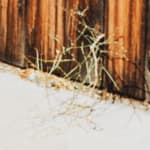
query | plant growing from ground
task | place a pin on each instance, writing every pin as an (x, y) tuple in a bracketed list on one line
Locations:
[(89, 67)]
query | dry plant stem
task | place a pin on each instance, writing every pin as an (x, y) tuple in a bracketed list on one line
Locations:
[(92, 48), (56, 62), (37, 59), (92, 62)]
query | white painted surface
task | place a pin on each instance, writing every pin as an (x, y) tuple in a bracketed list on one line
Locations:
[(29, 120)]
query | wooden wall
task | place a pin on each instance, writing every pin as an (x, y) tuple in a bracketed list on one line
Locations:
[(148, 27), (147, 47), (27, 25), (12, 43), (126, 24), (46, 25)]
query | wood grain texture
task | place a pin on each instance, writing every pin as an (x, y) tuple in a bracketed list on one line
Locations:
[(148, 26), (125, 30), (47, 25), (12, 31), (147, 46), (3, 27), (50, 24)]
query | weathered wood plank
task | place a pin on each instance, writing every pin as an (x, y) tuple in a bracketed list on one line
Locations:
[(12, 31), (125, 28), (15, 45), (147, 46), (3, 27), (47, 25), (37, 19), (148, 26)]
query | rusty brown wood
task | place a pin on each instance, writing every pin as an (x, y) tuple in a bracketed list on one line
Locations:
[(3, 27), (148, 26), (12, 31), (147, 47), (41, 25), (47, 25), (125, 30)]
